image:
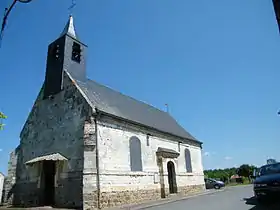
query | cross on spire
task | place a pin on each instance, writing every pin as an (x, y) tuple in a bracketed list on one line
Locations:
[(72, 7)]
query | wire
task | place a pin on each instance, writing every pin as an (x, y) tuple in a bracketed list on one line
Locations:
[(4, 22), (3, 26)]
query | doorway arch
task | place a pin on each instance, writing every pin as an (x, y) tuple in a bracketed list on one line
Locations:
[(171, 177)]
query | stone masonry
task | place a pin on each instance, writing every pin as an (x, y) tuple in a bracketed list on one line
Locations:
[(54, 125), (102, 152), (119, 185)]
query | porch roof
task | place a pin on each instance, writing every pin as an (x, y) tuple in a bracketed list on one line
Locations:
[(54, 157)]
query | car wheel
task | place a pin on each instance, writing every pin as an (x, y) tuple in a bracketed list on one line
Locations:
[(217, 187)]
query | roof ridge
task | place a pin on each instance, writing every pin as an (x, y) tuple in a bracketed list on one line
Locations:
[(128, 96), (118, 104)]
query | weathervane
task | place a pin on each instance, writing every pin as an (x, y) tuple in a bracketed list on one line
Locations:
[(9, 9), (6, 14), (72, 7)]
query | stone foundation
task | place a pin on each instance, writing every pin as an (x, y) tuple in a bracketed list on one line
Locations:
[(190, 190), (24, 195), (187, 190), (90, 201), (118, 198), (31, 197), (69, 193)]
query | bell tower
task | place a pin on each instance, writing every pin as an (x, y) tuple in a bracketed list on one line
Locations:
[(65, 53)]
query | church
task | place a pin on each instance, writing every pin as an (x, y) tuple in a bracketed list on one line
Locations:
[(87, 146)]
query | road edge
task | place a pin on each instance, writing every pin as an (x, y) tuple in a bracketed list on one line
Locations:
[(163, 201), (178, 199)]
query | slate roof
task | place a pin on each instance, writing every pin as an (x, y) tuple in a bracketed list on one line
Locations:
[(115, 103), (69, 29)]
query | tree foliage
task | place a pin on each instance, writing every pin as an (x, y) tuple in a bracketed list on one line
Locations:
[(2, 116), (221, 174), (244, 170)]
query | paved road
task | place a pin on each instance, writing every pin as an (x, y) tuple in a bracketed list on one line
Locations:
[(235, 198)]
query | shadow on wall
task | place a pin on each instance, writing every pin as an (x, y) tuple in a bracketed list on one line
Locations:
[(8, 197), (270, 204), (23, 191), (15, 190)]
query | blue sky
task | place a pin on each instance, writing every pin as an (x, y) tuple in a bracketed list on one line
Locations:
[(216, 63)]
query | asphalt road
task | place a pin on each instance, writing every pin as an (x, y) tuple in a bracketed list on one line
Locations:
[(234, 198)]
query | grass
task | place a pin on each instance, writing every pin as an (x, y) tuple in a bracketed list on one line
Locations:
[(246, 182)]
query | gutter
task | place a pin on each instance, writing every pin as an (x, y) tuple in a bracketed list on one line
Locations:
[(97, 117)]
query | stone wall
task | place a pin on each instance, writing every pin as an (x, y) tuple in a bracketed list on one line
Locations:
[(114, 139), (2, 178), (89, 172), (192, 189), (119, 185), (10, 179), (122, 197), (118, 198), (55, 125), (62, 124)]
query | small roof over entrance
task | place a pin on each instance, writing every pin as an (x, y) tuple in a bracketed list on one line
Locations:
[(54, 157), (167, 153)]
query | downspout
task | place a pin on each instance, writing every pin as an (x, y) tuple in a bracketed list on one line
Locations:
[(97, 117)]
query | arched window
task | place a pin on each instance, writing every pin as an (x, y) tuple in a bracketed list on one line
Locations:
[(135, 154), (188, 161)]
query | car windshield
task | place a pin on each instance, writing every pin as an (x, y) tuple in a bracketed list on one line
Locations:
[(269, 169)]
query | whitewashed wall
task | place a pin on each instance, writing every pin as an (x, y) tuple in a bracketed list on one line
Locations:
[(114, 162), (2, 177)]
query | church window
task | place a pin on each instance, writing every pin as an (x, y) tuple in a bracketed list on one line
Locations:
[(76, 52), (135, 154), (188, 160)]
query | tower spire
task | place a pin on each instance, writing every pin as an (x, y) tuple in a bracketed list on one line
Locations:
[(69, 28), (66, 53)]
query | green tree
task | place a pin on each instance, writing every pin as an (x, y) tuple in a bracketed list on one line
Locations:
[(246, 170), (2, 116)]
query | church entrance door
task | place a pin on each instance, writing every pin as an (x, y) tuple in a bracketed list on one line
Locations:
[(49, 182), (171, 177)]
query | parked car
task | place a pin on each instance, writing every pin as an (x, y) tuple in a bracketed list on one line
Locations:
[(267, 181), (213, 184)]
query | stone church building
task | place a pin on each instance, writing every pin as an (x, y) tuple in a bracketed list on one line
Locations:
[(87, 146)]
